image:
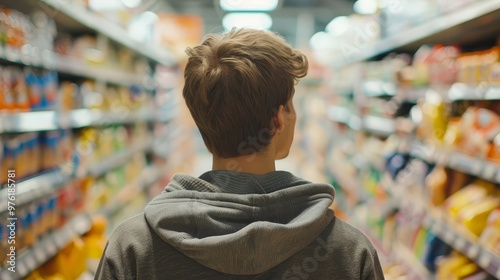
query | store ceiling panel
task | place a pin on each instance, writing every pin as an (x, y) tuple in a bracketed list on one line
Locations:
[(285, 18)]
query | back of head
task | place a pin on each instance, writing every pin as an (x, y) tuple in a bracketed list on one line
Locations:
[(234, 85)]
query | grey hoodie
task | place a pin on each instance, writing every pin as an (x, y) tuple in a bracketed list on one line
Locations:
[(230, 225)]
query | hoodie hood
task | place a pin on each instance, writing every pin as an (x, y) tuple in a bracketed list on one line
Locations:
[(239, 223)]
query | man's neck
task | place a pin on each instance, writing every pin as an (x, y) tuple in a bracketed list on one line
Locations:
[(261, 163)]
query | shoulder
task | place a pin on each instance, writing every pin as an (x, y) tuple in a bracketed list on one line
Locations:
[(132, 236), (346, 240)]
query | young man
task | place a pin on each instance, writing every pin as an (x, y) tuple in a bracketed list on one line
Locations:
[(243, 219)]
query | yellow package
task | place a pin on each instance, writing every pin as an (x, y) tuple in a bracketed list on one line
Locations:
[(491, 234), (436, 184), (434, 121), (472, 193), (447, 266), (475, 216), (466, 270)]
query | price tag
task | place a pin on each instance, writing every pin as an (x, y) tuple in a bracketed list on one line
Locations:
[(448, 236), (442, 158), (460, 243), (30, 261), (484, 260), (473, 251), (40, 255), (21, 269), (59, 241), (51, 247), (7, 275), (489, 171), (477, 166)]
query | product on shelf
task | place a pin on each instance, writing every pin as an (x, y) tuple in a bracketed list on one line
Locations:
[(479, 67), (490, 237), (96, 52), (477, 127), (457, 266), (27, 91)]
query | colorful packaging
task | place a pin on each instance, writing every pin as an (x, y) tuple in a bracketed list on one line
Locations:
[(491, 234), (50, 155), (470, 194), (34, 90), (475, 216)]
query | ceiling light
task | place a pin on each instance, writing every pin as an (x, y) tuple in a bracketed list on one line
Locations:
[(365, 7), (249, 5), (261, 21), (338, 25), (131, 3)]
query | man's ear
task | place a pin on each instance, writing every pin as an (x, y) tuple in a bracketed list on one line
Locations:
[(279, 120)]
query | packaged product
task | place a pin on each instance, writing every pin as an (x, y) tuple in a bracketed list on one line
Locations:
[(495, 74), (446, 267), (474, 216), (491, 234), (50, 155), (494, 150), (443, 68), (470, 194), (50, 83), (434, 118), (436, 183), (20, 91), (8, 96), (52, 213), (69, 94), (421, 60), (466, 270), (3, 239), (95, 239), (435, 248), (69, 263), (478, 125), (33, 89), (12, 152)]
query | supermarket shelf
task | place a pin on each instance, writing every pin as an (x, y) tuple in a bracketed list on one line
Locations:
[(459, 91), (486, 259), (47, 248), (117, 160), (457, 238), (52, 120), (35, 187), (434, 30), (45, 184), (126, 195), (110, 30), (350, 185), (45, 60), (85, 117), (412, 263), (74, 66), (345, 116), (29, 121), (379, 126), (455, 160), (399, 253), (71, 66), (379, 88)]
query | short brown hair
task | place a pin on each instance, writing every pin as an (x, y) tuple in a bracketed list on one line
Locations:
[(234, 84)]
